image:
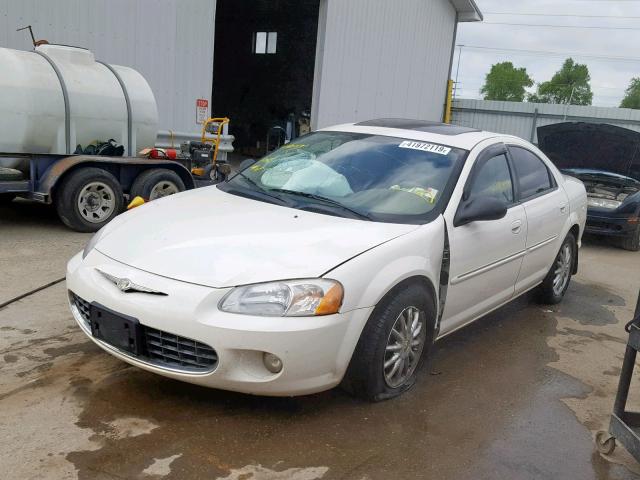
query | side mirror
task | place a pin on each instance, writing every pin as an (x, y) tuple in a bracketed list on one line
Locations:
[(481, 208), (246, 163)]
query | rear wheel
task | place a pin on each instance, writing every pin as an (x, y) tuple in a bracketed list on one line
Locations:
[(157, 183), (393, 345), (557, 280), (88, 199), (632, 242)]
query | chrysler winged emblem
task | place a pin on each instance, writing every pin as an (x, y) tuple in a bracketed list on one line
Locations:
[(127, 286)]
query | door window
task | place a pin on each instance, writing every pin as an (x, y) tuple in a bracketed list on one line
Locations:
[(533, 175), (494, 180)]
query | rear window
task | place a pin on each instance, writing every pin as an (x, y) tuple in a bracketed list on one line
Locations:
[(533, 175)]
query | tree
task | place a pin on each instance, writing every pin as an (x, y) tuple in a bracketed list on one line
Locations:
[(570, 85), (632, 95), (505, 82)]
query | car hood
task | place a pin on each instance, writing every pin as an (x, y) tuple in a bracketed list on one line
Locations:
[(603, 147), (585, 174), (218, 239)]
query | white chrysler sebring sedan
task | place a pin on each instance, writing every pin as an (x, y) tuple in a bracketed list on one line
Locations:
[(336, 260)]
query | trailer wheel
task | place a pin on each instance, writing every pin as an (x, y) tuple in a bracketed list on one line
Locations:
[(88, 199), (157, 183)]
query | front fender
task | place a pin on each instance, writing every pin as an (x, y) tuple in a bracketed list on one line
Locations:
[(369, 277)]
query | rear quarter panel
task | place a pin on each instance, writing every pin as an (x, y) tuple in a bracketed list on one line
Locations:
[(577, 195)]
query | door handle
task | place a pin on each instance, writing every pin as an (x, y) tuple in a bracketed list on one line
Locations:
[(516, 227)]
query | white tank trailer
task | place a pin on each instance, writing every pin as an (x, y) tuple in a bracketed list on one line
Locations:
[(57, 97)]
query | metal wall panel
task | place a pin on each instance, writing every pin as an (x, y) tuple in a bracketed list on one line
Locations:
[(521, 119), (170, 42), (382, 59)]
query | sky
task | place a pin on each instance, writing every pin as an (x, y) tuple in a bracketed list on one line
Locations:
[(609, 77)]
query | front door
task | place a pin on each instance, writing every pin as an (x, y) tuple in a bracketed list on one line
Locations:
[(485, 255)]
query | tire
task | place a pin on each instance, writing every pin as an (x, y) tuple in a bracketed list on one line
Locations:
[(632, 242), (156, 183), (88, 199), (366, 376), (561, 271)]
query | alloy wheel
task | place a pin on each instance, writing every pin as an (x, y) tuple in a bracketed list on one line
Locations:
[(562, 271), (404, 346)]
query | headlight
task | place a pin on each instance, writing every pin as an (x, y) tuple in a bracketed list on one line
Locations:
[(289, 298), (92, 243), (603, 203)]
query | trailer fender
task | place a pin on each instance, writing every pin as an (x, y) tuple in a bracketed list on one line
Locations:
[(125, 169)]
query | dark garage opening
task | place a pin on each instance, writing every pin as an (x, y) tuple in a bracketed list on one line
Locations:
[(264, 59)]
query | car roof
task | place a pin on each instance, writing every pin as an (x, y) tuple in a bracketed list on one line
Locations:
[(441, 133)]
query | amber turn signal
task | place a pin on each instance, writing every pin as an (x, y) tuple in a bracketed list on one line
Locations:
[(331, 302)]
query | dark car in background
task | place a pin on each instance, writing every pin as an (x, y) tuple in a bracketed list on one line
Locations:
[(607, 160)]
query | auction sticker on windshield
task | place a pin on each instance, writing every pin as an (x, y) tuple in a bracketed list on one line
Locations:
[(426, 147)]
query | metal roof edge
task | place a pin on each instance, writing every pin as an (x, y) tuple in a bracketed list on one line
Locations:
[(468, 10)]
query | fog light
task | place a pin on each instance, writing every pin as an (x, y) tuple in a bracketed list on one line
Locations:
[(272, 362)]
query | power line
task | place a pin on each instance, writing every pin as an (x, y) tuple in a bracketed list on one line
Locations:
[(592, 27), (557, 54), (622, 17)]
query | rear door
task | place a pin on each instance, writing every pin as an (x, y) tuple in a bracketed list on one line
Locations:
[(546, 207), (485, 255)]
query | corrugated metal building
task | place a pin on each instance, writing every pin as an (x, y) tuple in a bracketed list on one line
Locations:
[(523, 119), (332, 60)]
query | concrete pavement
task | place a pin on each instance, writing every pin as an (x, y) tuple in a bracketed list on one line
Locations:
[(517, 395)]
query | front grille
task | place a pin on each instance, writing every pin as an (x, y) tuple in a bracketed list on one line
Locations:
[(161, 348), (84, 308), (178, 352)]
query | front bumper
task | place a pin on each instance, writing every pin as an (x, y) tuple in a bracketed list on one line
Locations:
[(315, 351), (611, 224)]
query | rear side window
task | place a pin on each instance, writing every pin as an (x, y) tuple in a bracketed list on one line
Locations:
[(533, 175), (494, 180)]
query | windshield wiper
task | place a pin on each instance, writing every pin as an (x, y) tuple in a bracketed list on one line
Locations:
[(258, 189), (322, 199)]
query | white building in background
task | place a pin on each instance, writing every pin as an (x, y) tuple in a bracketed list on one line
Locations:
[(263, 63)]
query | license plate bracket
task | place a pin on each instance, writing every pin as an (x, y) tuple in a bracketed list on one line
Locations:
[(120, 331)]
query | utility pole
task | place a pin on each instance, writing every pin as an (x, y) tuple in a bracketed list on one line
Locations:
[(566, 109), (455, 91)]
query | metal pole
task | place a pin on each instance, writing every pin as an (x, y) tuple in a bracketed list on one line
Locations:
[(566, 110), (628, 364), (455, 92)]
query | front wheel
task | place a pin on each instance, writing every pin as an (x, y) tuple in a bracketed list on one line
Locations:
[(557, 280), (393, 345)]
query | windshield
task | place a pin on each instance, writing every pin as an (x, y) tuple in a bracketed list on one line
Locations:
[(355, 175)]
